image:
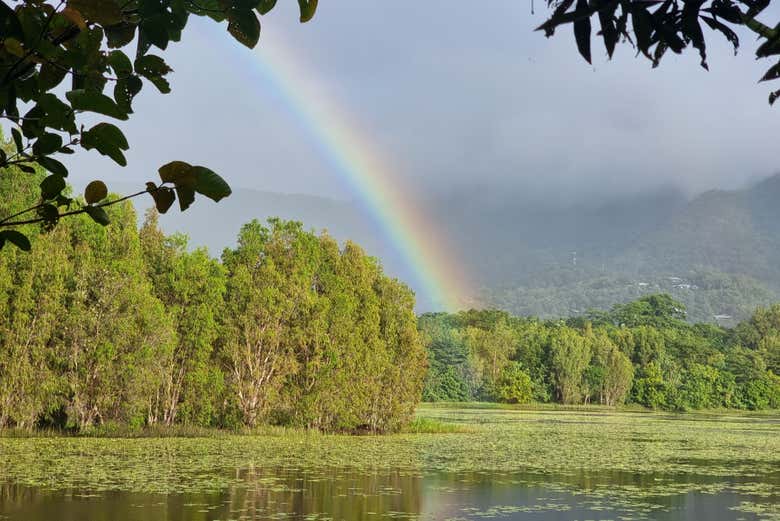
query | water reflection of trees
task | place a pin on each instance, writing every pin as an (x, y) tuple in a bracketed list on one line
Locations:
[(357, 494), (347, 494), (337, 493)]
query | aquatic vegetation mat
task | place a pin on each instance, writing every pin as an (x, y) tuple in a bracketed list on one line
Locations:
[(503, 464)]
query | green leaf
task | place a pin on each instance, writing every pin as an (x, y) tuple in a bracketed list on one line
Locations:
[(770, 47), (161, 83), (50, 76), (17, 136), (14, 47), (178, 173), (186, 196), (210, 184), (106, 139), (104, 12), (153, 68), (48, 50), (52, 165), (692, 30), (120, 34), (9, 22), (47, 144), (92, 101), (244, 5), (33, 123), (559, 16), (642, 22), (125, 90), (582, 29), (19, 239), (214, 9), (56, 113), (74, 18), (245, 27), (608, 31), (95, 192), (98, 215), (772, 73), (151, 65), (120, 63), (660, 50), (50, 215), (163, 196), (307, 7), (154, 30), (51, 186), (265, 6), (61, 200)]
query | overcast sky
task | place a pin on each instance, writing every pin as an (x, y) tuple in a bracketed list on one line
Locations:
[(458, 94)]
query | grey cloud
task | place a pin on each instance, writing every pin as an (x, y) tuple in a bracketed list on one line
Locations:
[(458, 95)]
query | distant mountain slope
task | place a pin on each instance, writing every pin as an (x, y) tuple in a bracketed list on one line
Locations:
[(735, 232), (514, 239), (721, 251), (709, 296)]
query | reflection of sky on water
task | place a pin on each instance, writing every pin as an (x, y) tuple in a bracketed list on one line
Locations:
[(349, 495), (517, 497)]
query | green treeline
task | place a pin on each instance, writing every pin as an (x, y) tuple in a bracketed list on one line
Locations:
[(643, 352), (116, 325)]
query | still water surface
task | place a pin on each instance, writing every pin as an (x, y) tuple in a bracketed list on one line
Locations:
[(690, 471)]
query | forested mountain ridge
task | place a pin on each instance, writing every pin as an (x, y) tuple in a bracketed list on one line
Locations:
[(730, 231), (651, 233), (512, 237), (719, 253)]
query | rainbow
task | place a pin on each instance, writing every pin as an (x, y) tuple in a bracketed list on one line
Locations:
[(369, 176)]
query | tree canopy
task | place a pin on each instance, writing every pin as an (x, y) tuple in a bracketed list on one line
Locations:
[(104, 326), (643, 352)]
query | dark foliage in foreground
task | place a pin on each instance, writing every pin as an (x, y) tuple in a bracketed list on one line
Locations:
[(65, 63), (654, 27)]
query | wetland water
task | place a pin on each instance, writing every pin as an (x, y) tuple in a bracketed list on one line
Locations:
[(510, 464)]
